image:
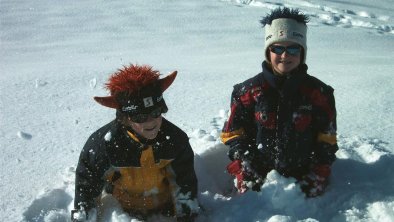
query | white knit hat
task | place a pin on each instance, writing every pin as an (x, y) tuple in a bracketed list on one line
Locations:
[(285, 30)]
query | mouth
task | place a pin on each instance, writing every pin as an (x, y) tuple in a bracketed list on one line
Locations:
[(150, 129), (285, 62)]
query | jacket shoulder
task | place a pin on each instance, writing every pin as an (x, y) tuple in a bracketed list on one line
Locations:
[(172, 131), (98, 138), (245, 86), (172, 142), (104, 130), (317, 83)]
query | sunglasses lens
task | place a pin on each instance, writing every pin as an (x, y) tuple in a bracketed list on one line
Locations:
[(155, 113), (277, 49), (293, 50), (141, 118)]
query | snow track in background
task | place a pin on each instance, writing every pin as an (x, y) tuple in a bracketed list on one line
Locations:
[(331, 15)]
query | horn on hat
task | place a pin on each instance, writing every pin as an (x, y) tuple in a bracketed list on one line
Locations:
[(167, 81), (108, 101)]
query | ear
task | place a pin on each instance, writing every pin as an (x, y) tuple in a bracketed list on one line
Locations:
[(167, 81), (108, 101)]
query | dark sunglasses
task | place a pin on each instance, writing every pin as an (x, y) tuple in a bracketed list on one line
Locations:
[(143, 117), (293, 50)]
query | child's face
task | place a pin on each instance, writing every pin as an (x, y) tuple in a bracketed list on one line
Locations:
[(285, 62), (148, 129)]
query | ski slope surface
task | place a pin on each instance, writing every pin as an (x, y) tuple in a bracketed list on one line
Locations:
[(55, 55)]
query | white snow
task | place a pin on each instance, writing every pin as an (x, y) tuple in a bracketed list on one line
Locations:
[(151, 192), (108, 136), (56, 55), (24, 135)]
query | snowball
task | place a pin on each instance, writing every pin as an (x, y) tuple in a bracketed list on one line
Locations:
[(108, 136), (93, 83), (40, 83), (24, 135)]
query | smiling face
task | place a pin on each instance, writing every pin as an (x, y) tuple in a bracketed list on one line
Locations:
[(148, 129), (284, 63)]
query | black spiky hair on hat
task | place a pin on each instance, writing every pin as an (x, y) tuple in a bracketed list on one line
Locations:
[(285, 13)]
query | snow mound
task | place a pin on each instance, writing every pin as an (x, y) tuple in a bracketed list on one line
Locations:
[(366, 150), (360, 189)]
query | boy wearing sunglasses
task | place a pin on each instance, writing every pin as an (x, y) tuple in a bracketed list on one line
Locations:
[(282, 119), (140, 159)]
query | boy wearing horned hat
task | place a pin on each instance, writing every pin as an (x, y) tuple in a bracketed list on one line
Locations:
[(140, 158)]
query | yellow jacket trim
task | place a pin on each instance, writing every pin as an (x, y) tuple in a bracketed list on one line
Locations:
[(327, 138), (133, 136), (143, 188), (226, 136)]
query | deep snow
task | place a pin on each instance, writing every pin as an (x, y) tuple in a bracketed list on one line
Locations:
[(55, 56)]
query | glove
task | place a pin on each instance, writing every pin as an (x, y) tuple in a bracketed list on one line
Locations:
[(79, 215), (315, 183), (245, 177), (187, 209), (82, 215), (188, 218), (253, 158)]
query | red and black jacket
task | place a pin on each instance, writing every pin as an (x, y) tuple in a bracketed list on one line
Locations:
[(140, 174), (289, 122)]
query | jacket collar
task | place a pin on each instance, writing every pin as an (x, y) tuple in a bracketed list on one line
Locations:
[(287, 84), (138, 140)]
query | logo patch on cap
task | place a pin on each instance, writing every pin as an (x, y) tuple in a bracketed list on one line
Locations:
[(129, 108), (148, 102), (297, 34)]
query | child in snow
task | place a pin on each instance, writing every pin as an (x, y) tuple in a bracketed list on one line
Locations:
[(144, 161), (282, 118)]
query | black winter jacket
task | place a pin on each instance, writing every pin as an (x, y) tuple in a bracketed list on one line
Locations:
[(112, 154), (288, 123)]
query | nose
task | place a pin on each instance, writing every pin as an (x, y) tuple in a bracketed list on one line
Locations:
[(150, 119), (284, 54)]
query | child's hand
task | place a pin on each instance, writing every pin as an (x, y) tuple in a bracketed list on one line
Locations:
[(315, 183), (245, 178)]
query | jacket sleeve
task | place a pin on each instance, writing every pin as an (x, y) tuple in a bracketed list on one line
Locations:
[(327, 130), (89, 180), (185, 187), (235, 130), (183, 167)]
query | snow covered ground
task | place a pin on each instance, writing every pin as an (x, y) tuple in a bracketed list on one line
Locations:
[(55, 56)]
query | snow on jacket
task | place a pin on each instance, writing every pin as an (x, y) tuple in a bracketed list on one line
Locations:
[(142, 177), (289, 122)]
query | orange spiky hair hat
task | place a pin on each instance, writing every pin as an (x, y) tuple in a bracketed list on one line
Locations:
[(136, 89)]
